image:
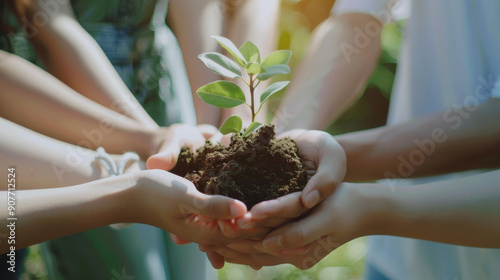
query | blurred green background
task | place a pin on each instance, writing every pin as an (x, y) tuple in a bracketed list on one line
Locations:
[(298, 20)]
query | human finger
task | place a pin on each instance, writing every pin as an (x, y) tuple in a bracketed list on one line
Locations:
[(331, 167), (215, 259)]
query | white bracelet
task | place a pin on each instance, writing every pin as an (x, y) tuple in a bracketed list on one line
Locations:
[(109, 164)]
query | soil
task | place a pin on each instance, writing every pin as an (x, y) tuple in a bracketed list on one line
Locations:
[(252, 169)]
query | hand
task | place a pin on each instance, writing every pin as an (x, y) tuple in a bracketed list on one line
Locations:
[(325, 161), (210, 132), (168, 141), (354, 210), (246, 253), (174, 204)]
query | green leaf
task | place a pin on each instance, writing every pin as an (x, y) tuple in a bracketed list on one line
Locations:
[(232, 49), (221, 65), (274, 70), (233, 124), (277, 57), (251, 128), (223, 94), (250, 52), (254, 68), (272, 89)]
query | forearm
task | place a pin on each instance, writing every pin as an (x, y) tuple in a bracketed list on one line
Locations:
[(194, 39), (465, 211), (34, 99), (43, 162), (52, 213), (446, 142), (332, 74), (255, 21), (73, 56)]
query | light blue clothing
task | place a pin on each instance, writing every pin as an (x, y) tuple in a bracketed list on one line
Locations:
[(450, 57)]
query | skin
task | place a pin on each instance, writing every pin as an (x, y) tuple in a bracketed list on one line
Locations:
[(188, 214), (50, 213), (255, 20), (462, 212), (325, 160), (333, 82), (440, 138), (377, 154), (53, 198), (373, 154), (86, 123), (70, 54)]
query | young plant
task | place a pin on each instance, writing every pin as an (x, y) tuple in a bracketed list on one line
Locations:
[(226, 94)]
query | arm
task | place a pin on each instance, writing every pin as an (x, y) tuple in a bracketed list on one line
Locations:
[(74, 57), (464, 211), (332, 74), (450, 141), (45, 102), (43, 162), (153, 197), (255, 20), (50, 107), (194, 39)]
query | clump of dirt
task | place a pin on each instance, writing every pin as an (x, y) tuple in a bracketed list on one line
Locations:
[(252, 169)]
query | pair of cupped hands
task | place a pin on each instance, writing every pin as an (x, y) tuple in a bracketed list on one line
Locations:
[(299, 228)]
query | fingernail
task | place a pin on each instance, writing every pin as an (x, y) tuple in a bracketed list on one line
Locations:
[(312, 199), (273, 242)]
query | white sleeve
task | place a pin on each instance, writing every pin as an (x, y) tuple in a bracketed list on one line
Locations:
[(495, 92), (380, 9)]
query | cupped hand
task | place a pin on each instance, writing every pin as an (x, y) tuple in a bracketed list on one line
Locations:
[(325, 161), (173, 203), (246, 253), (168, 141), (352, 211)]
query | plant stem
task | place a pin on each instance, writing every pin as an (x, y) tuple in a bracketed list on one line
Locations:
[(252, 89), (244, 81)]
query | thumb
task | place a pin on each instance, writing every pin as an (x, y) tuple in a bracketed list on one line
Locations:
[(217, 206), (166, 159), (319, 187), (330, 172)]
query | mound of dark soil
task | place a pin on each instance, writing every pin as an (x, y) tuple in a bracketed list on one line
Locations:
[(252, 169)]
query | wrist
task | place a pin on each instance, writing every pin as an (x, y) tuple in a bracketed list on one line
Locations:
[(378, 209), (154, 141), (140, 198), (124, 200)]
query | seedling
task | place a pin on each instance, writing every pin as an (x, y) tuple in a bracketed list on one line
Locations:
[(255, 166), (226, 94)]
